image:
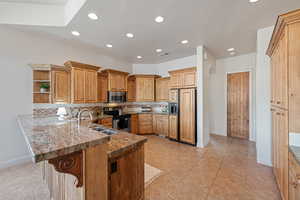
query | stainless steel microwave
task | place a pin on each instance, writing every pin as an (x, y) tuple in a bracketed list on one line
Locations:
[(116, 97)]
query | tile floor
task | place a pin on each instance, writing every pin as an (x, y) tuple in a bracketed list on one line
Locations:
[(225, 170)]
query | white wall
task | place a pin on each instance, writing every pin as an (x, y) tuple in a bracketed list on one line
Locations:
[(163, 68), (218, 94), (18, 49), (263, 90)]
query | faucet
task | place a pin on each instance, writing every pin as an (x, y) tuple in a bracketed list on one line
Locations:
[(82, 111)]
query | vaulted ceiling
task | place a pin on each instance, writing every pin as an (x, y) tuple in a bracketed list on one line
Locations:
[(217, 24)]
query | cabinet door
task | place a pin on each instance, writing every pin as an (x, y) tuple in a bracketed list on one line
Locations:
[(131, 93), (134, 124), (91, 86), (165, 125), (154, 124), (187, 116), (145, 123), (148, 90), (173, 127), (102, 88), (189, 79), (117, 82), (173, 96), (294, 77), (140, 85), (61, 86), (78, 85), (176, 80), (162, 89)]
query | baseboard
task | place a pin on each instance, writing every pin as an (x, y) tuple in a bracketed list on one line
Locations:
[(14, 162)]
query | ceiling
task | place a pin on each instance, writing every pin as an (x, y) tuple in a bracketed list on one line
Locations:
[(59, 2), (216, 24)]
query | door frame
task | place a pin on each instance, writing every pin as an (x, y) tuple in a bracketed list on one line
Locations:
[(252, 136)]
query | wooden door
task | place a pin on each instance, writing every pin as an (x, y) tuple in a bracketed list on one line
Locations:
[(91, 86), (140, 85), (131, 93), (238, 105), (145, 123), (187, 116), (60, 86), (165, 125), (154, 124), (162, 89), (176, 80), (173, 127), (78, 85), (102, 87), (134, 124)]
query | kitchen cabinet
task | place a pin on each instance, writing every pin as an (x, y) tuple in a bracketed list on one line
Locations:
[(162, 89), (134, 124), (60, 85), (145, 124), (126, 180), (142, 88), (280, 148), (131, 93), (294, 178), (102, 87), (117, 80), (173, 96), (161, 124), (283, 50), (106, 122), (83, 82), (183, 78), (187, 116), (173, 127)]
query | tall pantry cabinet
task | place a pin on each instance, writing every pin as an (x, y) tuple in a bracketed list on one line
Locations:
[(284, 50)]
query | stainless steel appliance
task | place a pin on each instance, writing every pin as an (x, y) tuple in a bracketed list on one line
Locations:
[(120, 121), (183, 116), (116, 97)]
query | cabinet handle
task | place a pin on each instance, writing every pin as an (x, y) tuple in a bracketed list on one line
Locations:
[(278, 102)]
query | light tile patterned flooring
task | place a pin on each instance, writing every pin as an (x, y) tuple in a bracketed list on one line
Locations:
[(225, 170)]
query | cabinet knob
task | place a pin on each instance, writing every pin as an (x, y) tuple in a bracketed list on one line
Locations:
[(278, 102)]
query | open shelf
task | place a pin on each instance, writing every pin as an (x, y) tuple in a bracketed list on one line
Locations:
[(40, 77)]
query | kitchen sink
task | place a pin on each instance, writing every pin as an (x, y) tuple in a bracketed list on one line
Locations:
[(104, 130)]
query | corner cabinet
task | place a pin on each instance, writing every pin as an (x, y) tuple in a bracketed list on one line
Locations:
[(183, 78), (141, 88), (117, 80), (284, 50), (83, 82)]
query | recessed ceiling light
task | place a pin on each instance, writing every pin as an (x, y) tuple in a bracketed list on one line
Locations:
[(232, 53), (92, 16), (230, 49), (139, 57), (129, 35), (159, 19), (253, 1), (158, 50), (184, 41), (109, 45), (76, 33)]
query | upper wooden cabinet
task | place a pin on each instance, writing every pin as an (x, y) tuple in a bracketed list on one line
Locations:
[(162, 89), (142, 88), (60, 81), (117, 80), (183, 78), (102, 87), (83, 82)]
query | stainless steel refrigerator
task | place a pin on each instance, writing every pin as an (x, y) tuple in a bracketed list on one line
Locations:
[(183, 115)]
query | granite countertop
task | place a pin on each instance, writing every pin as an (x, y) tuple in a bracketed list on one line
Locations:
[(296, 152), (48, 137), (123, 142)]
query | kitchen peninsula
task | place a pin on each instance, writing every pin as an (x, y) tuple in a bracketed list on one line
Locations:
[(79, 162)]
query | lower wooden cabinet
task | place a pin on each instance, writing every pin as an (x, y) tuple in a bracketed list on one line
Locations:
[(126, 176), (106, 122), (161, 124), (294, 178), (280, 149), (145, 124), (134, 124), (173, 127)]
